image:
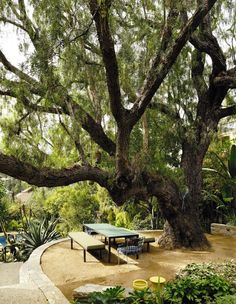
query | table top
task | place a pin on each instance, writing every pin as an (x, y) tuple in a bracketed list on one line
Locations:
[(109, 230)]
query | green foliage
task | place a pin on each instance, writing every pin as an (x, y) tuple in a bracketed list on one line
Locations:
[(231, 219), (46, 124), (196, 283), (221, 181), (191, 291), (226, 270), (14, 225), (116, 295), (138, 223), (39, 233), (109, 296), (142, 296), (4, 208), (2, 190), (113, 295), (229, 299), (123, 219), (75, 205)]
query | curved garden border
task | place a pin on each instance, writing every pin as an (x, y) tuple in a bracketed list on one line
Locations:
[(32, 274)]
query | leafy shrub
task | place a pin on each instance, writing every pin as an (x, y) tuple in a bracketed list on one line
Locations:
[(116, 296), (231, 219), (230, 299), (143, 296), (109, 296), (226, 270), (75, 205), (14, 225), (205, 283), (190, 290)]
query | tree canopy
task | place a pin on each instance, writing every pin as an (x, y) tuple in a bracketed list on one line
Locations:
[(99, 82)]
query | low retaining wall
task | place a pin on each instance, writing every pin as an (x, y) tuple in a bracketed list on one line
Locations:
[(223, 229), (31, 274)]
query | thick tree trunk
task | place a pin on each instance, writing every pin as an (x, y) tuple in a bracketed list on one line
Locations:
[(184, 228), (181, 212), (183, 231)]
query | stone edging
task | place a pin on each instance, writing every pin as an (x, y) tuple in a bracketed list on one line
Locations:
[(32, 274), (223, 229)]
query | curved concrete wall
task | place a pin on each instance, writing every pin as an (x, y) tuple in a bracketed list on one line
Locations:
[(31, 274)]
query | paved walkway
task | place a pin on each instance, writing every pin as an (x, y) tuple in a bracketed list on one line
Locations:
[(22, 295), (9, 273), (12, 292), (25, 283)]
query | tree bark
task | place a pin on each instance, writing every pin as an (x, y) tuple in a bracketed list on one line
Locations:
[(183, 227)]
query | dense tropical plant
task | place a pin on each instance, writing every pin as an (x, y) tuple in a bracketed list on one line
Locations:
[(192, 291), (39, 233), (224, 175), (227, 173)]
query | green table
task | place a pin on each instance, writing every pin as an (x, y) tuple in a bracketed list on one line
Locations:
[(111, 233)]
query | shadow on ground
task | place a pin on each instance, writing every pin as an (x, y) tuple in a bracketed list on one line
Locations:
[(65, 267)]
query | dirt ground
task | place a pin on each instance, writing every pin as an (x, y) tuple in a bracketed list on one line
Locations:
[(65, 267)]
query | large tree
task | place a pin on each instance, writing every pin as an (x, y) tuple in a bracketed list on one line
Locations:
[(92, 70)]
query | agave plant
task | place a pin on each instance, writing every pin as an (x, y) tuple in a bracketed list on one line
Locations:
[(39, 233)]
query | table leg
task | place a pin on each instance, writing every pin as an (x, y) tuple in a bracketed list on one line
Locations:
[(109, 250)]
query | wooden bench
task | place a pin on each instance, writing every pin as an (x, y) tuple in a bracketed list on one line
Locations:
[(86, 241), (148, 240)]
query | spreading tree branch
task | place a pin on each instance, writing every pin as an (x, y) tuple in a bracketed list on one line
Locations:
[(47, 177), (226, 79), (160, 69), (76, 141), (28, 24), (101, 17), (197, 76), (225, 112), (87, 122), (206, 42), (6, 20), (165, 109), (11, 68)]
